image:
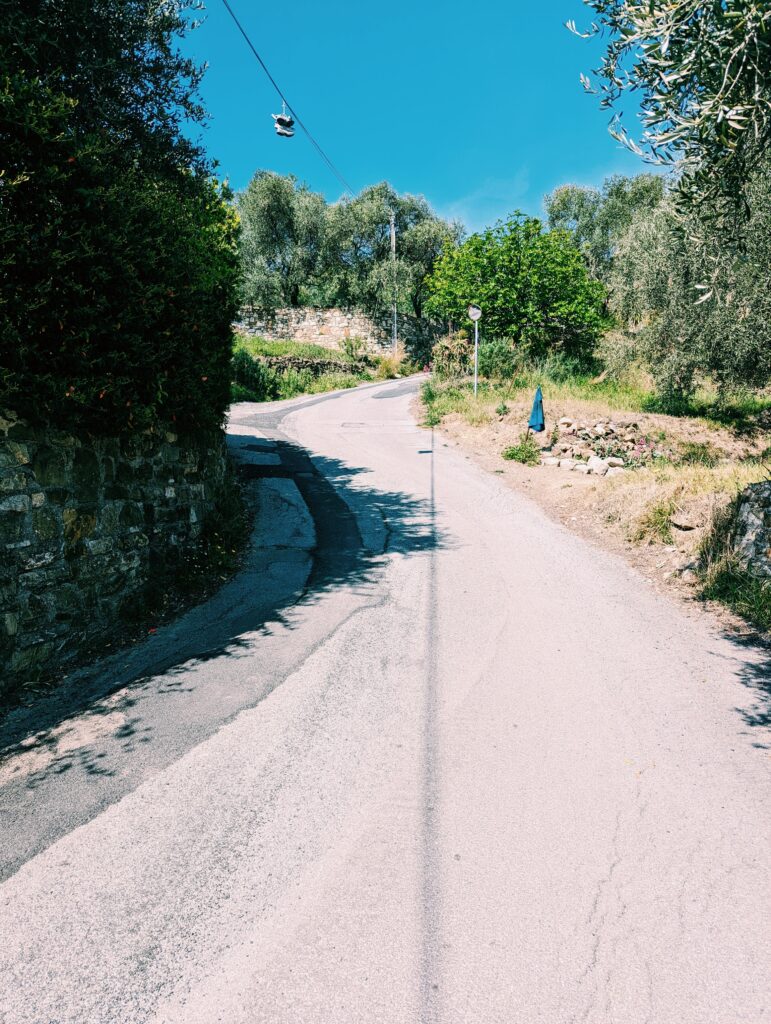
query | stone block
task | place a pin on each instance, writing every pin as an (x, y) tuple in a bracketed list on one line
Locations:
[(50, 467), (132, 514), (15, 503), (45, 524), (77, 525), (86, 474)]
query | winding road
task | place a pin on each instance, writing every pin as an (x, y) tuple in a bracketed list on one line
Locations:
[(428, 759)]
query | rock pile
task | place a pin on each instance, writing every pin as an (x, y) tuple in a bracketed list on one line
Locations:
[(602, 448)]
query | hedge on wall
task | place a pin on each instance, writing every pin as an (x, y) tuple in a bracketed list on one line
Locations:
[(118, 258)]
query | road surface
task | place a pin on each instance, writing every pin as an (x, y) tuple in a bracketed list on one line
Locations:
[(428, 759)]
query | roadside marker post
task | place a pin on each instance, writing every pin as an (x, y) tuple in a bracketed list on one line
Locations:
[(475, 314)]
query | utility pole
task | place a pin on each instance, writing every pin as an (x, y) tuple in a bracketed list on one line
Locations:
[(393, 271)]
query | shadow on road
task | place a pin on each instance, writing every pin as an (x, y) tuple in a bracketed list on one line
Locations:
[(755, 673), (106, 695)]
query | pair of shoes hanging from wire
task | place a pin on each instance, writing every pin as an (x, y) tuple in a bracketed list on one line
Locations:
[(283, 123)]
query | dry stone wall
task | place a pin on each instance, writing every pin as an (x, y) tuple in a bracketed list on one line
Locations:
[(752, 541), (328, 327), (85, 524)]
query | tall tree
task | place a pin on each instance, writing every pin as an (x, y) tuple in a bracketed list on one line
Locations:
[(283, 231), (598, 218), (117, 249), (358, 268)]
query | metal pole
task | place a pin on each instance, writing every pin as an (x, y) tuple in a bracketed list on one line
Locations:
[(393, 272), (476, 356)]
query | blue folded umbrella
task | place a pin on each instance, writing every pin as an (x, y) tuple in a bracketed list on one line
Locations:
[(536, 422)]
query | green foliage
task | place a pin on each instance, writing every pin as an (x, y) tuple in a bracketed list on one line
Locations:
[(699, 453), (358, 270), (283, 232), (501, 409), (353, 348), (526, 451), (497, 359), (698, 310), (597, 218), (452, 356), (532, 286), (254, 380), (747, 595), (118, 257), (298, 250), (655, 523), (257, 346), (388, 367), (725, 579), (703, 72)]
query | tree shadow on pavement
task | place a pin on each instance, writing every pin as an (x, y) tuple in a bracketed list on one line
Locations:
[(755, 673), (42, 733)]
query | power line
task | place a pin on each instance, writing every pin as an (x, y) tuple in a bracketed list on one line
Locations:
[(289, 107)]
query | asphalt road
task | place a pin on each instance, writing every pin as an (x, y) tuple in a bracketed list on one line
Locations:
[(429, 758)]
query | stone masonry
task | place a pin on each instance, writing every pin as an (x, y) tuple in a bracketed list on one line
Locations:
[(752, 540), (328, 327), (85, 524)]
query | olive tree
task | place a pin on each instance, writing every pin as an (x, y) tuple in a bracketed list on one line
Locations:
[(702, 72), (698, 311), (283, 227), (358, 269), (597, 218)]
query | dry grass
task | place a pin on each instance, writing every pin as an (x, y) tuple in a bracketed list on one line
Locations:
[(674, 503)]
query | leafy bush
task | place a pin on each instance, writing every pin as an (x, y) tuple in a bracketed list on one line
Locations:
[(252, 380), (725, 579), (526, 451), (532, 285), (497, 359), (118, 263), (388, 367)]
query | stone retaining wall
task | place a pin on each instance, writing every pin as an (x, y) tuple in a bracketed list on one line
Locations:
[(752, 540), (328, 327), (85, 524)]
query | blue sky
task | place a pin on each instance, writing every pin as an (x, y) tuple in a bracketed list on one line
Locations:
[(476, 106)]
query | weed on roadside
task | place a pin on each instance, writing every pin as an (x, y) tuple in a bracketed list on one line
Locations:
[(526, 451)]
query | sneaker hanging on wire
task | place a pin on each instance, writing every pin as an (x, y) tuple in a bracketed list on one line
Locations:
[(284, 123)]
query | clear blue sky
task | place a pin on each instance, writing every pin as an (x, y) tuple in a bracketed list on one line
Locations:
[(477, 106)]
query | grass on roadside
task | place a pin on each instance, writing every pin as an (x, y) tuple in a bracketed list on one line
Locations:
[(582, 392), (268, 371), (725, 579), (682, 501), (649, 504)]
